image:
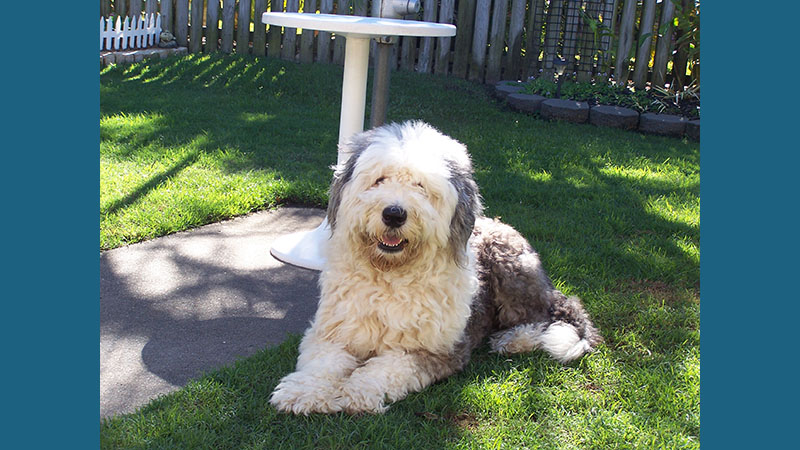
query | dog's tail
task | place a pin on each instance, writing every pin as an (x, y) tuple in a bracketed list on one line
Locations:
[(567, 335)]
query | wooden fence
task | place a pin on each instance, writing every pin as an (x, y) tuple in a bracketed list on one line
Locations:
[(624, 40)]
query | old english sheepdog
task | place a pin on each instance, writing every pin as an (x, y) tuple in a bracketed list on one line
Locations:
[(416, 278)]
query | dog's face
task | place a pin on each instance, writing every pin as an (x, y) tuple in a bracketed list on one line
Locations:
[(405, 193)]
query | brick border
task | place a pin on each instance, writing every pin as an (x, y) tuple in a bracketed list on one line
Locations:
[(600, 115)]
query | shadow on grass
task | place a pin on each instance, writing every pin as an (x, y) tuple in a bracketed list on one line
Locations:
[(151, 184)]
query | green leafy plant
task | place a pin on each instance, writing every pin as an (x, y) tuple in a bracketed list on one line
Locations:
[(670, 97), (683, 102)]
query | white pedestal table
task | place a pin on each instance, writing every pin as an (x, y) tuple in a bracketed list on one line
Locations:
[(305, 248)]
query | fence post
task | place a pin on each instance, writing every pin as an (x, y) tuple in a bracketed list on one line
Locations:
[(442, 62), (644, 43), (259, 28), (274, 36), (514, 56), (496, 39), (105, 8), (182, 22), (479, 40), (135, 8), (324, 37), (243, 28), (151, 7), (465, 19), (289, 46), (625, 42), (228, 13), (166, 16), (196, 32), (121, 7), (212, 26), (307, 38), (663, 45), (342, 8), (426, 43)]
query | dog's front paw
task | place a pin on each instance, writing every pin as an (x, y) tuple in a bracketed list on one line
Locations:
[(301, 393), (355, 398)]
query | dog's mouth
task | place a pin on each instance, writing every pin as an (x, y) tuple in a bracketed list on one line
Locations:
[(392, 244)]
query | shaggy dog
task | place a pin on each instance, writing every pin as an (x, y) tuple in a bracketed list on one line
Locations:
[(416, 278)]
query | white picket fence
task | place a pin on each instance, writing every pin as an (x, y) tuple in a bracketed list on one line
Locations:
[(120, 35)]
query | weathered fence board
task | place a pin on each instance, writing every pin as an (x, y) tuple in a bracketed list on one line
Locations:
[(181, 22), (196, 30), (621, 68), (289, 44), (274, 35), (307, 38), (425, 58), (243, 28), (465, 20), (212, 26), (342, 8), (663, 44), (135, 8), (151, 7), (121, 7), (514, 55), (167, 18), (443, 46), (496, 39), (324, 37), (259, 28), (228, 13), (644, 42), (480, 39)]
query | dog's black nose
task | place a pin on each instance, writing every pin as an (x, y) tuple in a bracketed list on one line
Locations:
[(394, 216)]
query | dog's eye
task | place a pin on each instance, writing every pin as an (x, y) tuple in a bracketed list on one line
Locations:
[(378, 181), (419, 185)]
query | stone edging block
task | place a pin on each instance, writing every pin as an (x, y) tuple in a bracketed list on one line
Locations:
[(614, 116), (503, 88), (663, 124), (600, 115), (568, 110), (525, 102)]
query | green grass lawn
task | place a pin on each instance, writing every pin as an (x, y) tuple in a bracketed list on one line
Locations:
[(614, 215)]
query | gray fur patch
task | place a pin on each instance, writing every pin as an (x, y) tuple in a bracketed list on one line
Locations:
[(468, 208)]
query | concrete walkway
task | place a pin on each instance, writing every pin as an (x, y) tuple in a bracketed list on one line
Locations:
[(175, 307)]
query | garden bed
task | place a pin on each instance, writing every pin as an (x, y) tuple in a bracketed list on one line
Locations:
[(654, 112)]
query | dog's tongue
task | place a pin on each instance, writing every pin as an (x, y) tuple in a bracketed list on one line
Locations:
[(391, 240)]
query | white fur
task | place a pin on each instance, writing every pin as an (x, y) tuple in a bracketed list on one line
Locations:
[(375, 308), (559, 339)]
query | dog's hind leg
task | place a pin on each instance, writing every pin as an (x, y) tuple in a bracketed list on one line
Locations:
[(567, 335)]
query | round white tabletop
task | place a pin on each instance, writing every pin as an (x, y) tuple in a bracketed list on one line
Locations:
[(351, 26), (305, 248)]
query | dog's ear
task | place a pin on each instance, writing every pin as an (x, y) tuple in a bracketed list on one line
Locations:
[(468, 208), (342, 173)]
